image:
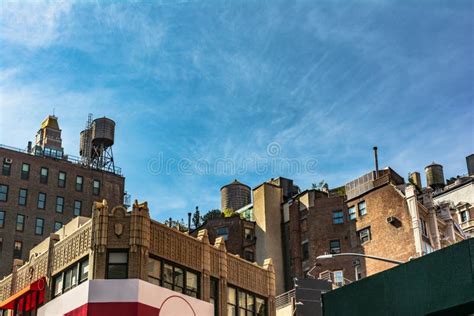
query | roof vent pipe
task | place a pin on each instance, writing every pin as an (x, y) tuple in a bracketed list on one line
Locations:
[(376, 158)]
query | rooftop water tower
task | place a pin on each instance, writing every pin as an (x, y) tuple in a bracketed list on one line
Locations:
[(434, 176), (96, 143)]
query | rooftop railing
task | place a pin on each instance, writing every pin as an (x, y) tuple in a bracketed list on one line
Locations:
[(69, 158)]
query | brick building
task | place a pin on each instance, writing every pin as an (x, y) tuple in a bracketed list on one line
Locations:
[(238, 234), (71, 272), (41, 189), (378, 216)]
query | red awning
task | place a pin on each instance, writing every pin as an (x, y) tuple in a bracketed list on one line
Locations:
[(28, 298)]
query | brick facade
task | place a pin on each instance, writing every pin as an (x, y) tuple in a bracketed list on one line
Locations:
[(111, 188), (240, 238)]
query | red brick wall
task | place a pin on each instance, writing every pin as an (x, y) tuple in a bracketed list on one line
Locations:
[(112, 189), (386, 240)]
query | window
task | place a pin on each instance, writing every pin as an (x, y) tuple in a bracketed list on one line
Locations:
[(424, 229), (305, 250), (231, 301), (2, 219), (261, 307), (172, 277), (39, 228), (84, 270), (364, 235), (337, 217), (96, 187), (214, 294), (58, 284), (352, 213), (335, 246), (17, 249), (22, 196), (6, 168), (248, 255), (241, 302), (358, 272), (59, 204), (223, 232), (25, 171), (79, 183), (70, 277), (44, 175), (3, 193), (57, 226), (191, 284), (426, 248), (248, 234), (41, 200), (154, 271), (362, 208), (464, 216), (77, 208), (117, 265), (338, 278), (20, 222), (62, 179)]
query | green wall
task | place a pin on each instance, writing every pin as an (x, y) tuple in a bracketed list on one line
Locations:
[(441, 283)]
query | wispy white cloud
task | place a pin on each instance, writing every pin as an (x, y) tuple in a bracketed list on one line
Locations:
[(33, 24)]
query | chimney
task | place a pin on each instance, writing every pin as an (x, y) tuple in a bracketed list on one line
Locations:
[(29, 147), (470, 164), (189, 221), (376, 158)]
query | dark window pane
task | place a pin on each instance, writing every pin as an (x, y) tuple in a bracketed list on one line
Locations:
[(41, 200), (25, 171), (77, 208), (61, 179), (84, 270), (3, 192), (22, 197), (20, 222), (117, 272), (17, 249), (44, 175), (167, 273), (6, 169), (2, 219)]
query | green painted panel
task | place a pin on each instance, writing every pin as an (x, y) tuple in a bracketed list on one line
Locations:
[(440, 281)]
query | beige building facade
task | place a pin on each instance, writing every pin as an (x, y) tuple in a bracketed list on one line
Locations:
[(116, 244)]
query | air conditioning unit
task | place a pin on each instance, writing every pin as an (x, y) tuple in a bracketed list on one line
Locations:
[(392, 220), (8, 160)]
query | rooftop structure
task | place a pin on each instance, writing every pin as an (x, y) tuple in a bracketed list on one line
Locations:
[(235, 195)]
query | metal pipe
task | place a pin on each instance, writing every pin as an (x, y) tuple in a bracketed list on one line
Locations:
[(189, 221), (376, 162), (349, 254)]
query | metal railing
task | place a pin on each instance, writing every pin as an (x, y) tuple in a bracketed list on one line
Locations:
[(284, 299), (69, 158)]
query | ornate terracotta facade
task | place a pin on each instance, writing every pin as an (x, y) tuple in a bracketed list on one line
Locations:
[(113, 229)]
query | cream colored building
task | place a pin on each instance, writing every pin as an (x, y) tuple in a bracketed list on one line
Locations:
[(116, 244)]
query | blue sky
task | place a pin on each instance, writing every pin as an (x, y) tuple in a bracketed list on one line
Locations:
[(218, 90)]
